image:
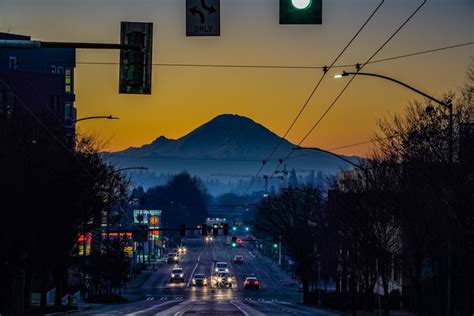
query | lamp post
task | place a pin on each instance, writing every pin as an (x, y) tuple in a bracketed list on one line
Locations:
[(333, 154), (447, 105), (107, 117)]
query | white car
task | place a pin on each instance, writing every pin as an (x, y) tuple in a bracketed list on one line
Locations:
[(221, 267)]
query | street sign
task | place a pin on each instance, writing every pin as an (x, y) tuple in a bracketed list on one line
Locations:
[(203, 18), (136, 64)]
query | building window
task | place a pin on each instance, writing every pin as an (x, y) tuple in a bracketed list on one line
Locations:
[(60, 70), (68, 80), (53, 69), (12, 63)]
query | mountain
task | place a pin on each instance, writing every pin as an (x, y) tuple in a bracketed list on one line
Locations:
[(228, 148)]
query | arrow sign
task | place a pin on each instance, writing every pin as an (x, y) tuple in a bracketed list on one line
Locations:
[(209, 9), (203, 18), (194, 11)]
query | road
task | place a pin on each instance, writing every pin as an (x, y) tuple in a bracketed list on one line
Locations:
[(158, 297)]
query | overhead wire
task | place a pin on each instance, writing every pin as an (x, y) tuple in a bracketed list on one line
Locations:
[(305, 104), (422, 52), (359, 67)]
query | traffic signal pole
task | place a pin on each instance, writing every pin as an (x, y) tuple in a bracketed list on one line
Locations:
[(279, 251)]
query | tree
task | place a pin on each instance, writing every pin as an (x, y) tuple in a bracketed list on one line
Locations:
[(52, 191), (183, 201), (293, 215)]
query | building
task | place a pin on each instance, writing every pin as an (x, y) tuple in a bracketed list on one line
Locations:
[(39, 81)]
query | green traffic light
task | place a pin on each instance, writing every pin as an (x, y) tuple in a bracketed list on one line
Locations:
[(234, 228), (275, 245), (301, 4), (247, 229), (234, 245)]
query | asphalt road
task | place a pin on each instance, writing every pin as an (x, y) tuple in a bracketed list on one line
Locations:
[(158, 296)]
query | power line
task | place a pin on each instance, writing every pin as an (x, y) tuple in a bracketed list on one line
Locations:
[(359, 67), (325, 70), (286, 66)]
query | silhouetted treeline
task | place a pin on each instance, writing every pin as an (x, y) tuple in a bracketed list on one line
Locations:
[(183, 200), (397, 232)]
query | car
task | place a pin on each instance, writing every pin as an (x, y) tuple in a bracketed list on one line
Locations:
[(221, 267), (239, 259), (208, 238), (223, 279), (172, 257), (200, 280), (251, 283), (181, 250), (177, 275)]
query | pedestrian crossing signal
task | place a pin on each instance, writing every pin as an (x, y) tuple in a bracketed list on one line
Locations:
[(300, 11)]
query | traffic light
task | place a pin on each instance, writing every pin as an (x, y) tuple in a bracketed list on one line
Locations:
[(204, 230), (182, 230), (300, 11), (234, 242), (276, 240), (234, 228), (247, 229), (226, 229), (215, 231), (136, 64)]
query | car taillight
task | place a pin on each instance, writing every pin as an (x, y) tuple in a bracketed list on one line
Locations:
[(256, 282), (246, 283)]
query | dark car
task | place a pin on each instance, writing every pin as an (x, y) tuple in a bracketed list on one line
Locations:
[(177, 275), (239, 259), (200, 280), (251, 283), (172, 257)]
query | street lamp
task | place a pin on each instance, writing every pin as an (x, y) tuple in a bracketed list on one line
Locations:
[(107, 117), (331, 153), (448, 105)]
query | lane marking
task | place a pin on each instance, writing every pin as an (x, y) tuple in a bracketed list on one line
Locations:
[(146, 311), (239, 308), (192, 273)]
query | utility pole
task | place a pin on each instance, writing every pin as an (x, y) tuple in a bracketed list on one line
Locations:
[(279, 251)]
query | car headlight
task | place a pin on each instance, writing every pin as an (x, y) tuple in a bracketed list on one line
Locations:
[(217, 269), (194, 281), (226, 270), (219, 279), (181, 275)]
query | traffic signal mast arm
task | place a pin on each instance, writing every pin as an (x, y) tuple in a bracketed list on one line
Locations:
[(79, 45)]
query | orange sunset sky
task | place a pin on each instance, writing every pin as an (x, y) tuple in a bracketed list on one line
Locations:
[(185, 97)]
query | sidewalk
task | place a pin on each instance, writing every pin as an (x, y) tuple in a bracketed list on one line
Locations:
[(284, 278)]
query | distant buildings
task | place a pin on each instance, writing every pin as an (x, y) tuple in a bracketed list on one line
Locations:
[(37, 88)]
